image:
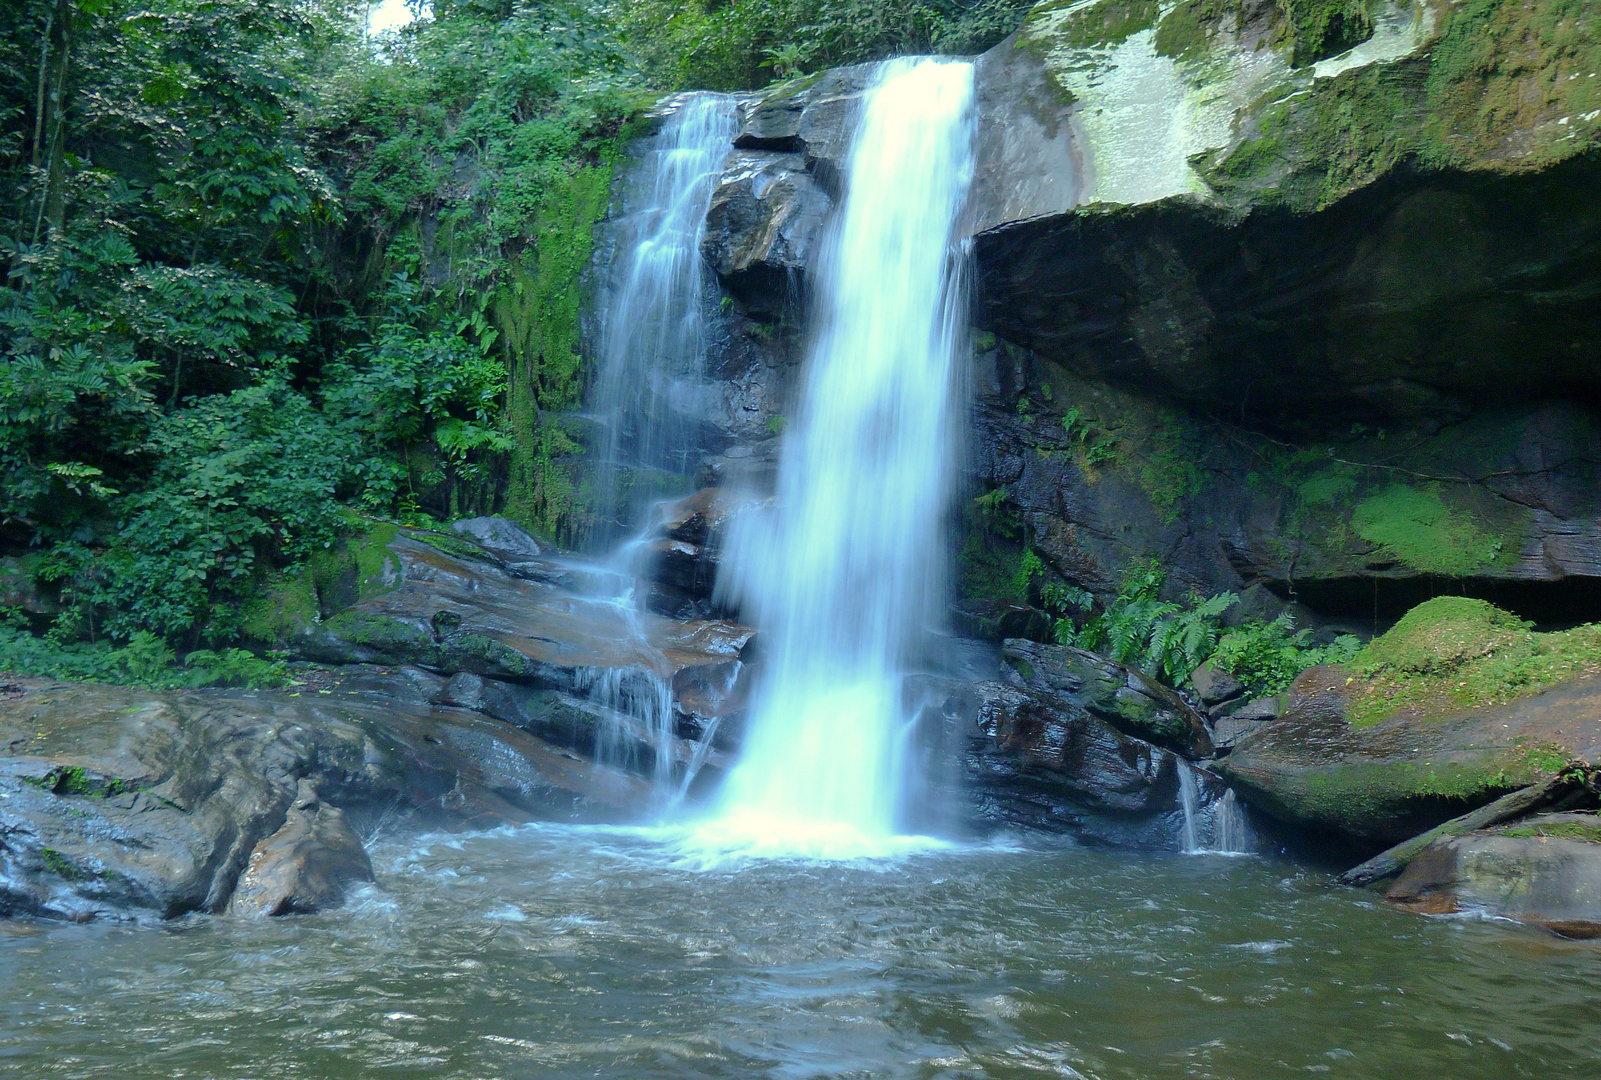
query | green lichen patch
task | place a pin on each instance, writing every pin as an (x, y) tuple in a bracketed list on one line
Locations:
[(1324, 28), (1453, 653), (76, 780), (1418, 528), (1589, 832), (1110, 22), (1503, 87), (59, 865)]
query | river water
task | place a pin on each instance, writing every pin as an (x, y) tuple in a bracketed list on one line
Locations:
[(560, 951)]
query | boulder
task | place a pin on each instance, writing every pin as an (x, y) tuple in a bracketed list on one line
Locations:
[(116, 802), (1125, 698), (1544, 870), (305, 866), (500, 537), (1401, 776), (1029, 746), (1213, 686)]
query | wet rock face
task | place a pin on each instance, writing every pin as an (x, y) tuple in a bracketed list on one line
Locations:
[(767, 215), (1504, 502), (1402, 776), (116, 802), (305, 866), (1128, 700), (1040, 743), (1544, 870)]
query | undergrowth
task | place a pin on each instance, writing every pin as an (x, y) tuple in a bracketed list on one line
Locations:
[(146, 660)]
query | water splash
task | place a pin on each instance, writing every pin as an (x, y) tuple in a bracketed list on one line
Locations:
[(848, 569), (652, 378)]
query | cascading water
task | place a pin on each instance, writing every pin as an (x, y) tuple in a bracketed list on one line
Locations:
[(652, 328), (1219, 828), (651, 374), (845, 574)]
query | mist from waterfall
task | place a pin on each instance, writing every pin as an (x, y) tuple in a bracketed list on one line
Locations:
[(652, 337), (847, 570)]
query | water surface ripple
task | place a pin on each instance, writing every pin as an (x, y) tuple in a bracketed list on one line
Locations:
[(558, 951)]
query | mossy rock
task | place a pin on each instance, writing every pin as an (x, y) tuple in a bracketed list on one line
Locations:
[(1380, 781), (1454, 653)]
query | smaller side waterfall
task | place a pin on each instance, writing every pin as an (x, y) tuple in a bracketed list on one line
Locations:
[(1215, 828), (652, 344)]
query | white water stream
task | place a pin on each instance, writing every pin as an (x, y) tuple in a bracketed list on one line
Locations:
[(848, 569), (652, 376)]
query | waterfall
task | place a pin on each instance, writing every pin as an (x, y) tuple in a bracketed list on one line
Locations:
[(847, 570), (652, 363), (1189, 800), (1221, 822), (651, 380)]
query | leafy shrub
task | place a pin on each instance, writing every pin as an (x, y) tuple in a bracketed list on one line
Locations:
[(741, 44), (1138, 628), (1267, 656), (1170, 640), (146, 660)]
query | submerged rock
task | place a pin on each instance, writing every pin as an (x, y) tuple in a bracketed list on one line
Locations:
[(304, 866), (1544, 870)]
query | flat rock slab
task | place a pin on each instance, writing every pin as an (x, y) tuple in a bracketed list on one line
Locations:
[(1404, 776), (117, 801), (452, 614)]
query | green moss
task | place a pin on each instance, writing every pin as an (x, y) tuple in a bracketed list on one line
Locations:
[(377, 568), (1505, 87), (59, 865), (1110, 22), (1564, 830), (1324, 28), (454, 546), (1453, 653), (1378, 789), (1329, 485), (1186, 31), (538, 314), (1417, 528), (1168, 468)]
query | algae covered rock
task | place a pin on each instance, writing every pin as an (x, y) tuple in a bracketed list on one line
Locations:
[(1199, 199), (1456, 706)]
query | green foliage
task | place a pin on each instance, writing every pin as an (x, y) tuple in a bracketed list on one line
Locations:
[(146, 660), (1267, 656), (1418, 528), (1453, 653), (261, 270), (1095, 446), (741, 44), (1166, 639)]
